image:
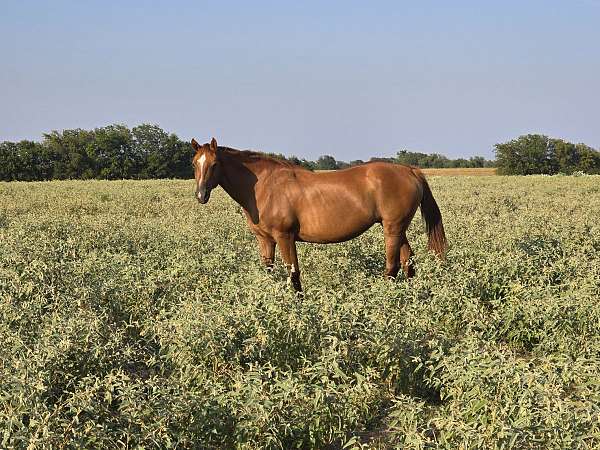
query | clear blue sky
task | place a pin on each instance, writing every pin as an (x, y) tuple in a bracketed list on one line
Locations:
[(351, 78)]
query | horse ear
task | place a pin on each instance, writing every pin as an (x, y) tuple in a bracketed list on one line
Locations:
[(195, 145), (213, 144)]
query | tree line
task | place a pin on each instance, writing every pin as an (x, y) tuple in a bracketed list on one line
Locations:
[(111, 152), (538, 154), (146, 151)]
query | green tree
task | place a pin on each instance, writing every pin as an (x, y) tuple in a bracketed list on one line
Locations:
[(477, 161), (112, 147), (589, 159), (567, 156), (34, 163), (326, 162), (534, 153), (181, 157), (410, 158), (9, 161), (356, 162), (158, 154), (70, 150), (526, 155)]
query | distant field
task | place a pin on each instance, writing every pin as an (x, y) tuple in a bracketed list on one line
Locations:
[(479, 172), (132, 317)]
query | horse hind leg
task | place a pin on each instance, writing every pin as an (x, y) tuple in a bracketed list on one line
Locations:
[(406, 254), (392, 255), (397, 250)]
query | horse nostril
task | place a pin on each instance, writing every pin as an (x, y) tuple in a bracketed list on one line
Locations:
[(202, 196)]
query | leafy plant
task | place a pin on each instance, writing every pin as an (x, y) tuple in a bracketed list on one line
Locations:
[(132, 317)]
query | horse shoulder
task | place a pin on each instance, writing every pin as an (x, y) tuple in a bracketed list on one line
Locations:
[(274, 199)]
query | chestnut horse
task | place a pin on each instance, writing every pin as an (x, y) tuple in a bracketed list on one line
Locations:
[(285, 203)]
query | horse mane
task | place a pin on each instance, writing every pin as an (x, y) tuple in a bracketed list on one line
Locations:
[(254, 156)]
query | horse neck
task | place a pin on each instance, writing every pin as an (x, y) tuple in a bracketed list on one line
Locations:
[(238, 179)]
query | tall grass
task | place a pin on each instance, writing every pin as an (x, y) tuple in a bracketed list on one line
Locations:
[(132, 317)]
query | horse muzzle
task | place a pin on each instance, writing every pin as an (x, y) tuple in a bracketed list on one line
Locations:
[(202, 195)]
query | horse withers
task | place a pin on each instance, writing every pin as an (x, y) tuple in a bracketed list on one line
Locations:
[(285, 203)]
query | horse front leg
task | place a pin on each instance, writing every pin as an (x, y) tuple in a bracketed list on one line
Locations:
[(266, 248), (287, 248)]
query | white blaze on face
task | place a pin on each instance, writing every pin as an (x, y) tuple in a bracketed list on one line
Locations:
[(200, 163)]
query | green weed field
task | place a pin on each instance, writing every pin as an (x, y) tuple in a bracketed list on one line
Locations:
[(131, 316)]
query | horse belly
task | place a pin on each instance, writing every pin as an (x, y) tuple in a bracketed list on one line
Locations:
[(334, 221)]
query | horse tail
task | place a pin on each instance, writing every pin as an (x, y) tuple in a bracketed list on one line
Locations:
[(433, 218)]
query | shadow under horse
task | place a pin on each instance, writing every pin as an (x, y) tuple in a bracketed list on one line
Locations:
[(285, 203)]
